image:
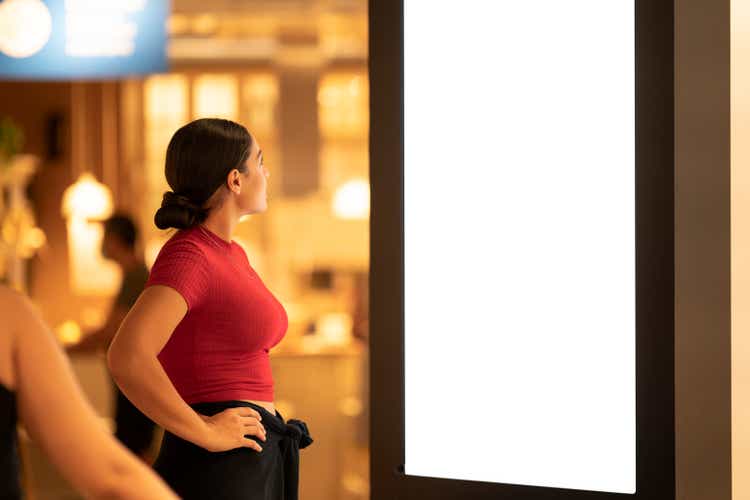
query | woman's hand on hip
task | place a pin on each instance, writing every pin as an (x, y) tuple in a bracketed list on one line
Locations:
[(228, 430)]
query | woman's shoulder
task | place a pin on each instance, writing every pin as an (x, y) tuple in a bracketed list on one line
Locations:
[(18, 314), (8, 295), (13, 303), (181, 251), (184, 241)]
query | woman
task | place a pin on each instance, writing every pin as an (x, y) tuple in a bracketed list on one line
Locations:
[(36, 382), (192, 353)]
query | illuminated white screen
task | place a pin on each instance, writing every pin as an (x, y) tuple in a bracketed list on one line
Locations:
[(520, 242)]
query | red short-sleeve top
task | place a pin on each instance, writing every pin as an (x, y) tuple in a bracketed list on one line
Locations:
[(219, 351)]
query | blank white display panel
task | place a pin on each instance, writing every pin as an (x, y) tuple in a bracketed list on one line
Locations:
[(519, 176)]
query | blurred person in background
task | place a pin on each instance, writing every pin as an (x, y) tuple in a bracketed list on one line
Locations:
[(37, 386), (193, 353), (133, 428)]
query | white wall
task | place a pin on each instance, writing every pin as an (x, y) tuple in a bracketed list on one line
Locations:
[(740, 249)]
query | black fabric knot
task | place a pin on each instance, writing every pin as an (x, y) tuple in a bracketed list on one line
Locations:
[(297, 430)]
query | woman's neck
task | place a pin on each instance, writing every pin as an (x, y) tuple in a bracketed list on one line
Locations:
[(221, 222)]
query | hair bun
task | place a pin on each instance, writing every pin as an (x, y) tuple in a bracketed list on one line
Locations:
[(178, 211), (171, 199)]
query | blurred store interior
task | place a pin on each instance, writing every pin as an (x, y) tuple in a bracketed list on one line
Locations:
[(72, 152)]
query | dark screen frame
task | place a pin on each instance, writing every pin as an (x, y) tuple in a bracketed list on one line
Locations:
[(655, 275)]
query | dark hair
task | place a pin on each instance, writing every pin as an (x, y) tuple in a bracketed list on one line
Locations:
[(122, 227), (200, 155)]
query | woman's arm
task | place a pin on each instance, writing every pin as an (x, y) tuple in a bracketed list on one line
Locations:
[(56, 415), (136, 369)]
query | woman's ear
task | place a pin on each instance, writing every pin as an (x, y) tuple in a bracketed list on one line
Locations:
[(234, 181)]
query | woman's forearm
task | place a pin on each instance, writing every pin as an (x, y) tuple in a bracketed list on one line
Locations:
[(142, 379)]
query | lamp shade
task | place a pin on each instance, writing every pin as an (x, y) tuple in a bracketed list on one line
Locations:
[(87, 199)]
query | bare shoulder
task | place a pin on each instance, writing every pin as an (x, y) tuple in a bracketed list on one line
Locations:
[(15, 307), (15, 310), (9, 296), (12, 305)]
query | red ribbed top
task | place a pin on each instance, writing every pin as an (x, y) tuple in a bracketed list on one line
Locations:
[(219, 351)]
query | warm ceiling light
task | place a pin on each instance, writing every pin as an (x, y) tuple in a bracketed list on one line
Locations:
[(69, 332), (352, 200), (178, 24), (25, 27), (205, 24)]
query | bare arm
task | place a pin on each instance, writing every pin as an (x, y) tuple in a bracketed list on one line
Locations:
[(56, 415), (100, 339), (136, 369)]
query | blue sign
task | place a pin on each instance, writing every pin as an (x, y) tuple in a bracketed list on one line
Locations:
[(82, 39)]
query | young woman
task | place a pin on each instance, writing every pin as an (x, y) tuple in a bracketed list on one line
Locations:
[(193, 353), (37, 385)]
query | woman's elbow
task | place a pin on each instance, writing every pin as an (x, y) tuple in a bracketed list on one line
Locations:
[(117, 361), (118, 480)]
